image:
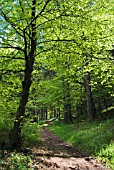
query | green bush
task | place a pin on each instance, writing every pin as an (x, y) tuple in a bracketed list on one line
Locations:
[(20, 162), (5, 127), (16, 161), (31, 134), (107, 155)]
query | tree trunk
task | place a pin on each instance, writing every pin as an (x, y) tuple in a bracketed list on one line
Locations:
[(58, 113), (46, 113), (67, 104), (67, 113), (91, 111), (15, 137)]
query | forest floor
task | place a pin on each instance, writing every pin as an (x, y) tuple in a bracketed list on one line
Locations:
[(55, 154)]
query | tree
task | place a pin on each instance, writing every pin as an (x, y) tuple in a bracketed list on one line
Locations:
[(26, 34), (24, 26), (34, 33)]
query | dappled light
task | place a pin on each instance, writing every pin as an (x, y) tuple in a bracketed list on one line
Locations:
[(56, 84), (57, 154)]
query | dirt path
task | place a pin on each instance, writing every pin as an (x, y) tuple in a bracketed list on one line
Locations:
[(55, 154)]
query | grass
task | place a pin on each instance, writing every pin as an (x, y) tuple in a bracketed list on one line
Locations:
[(95, 138)]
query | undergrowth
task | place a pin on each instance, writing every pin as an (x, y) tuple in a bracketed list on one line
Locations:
[(16, 161), (31, 134), (95, 138), (21, 161)]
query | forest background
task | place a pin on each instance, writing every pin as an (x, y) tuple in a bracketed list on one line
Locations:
[(56, 61)]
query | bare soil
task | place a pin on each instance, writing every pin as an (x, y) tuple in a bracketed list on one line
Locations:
[(55, 154)]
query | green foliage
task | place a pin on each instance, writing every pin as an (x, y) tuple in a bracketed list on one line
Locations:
[(72, 38), (16, 161), (69, 34), (94, 137), (19, 161), (31, 134), (5, 127), (107, 154)]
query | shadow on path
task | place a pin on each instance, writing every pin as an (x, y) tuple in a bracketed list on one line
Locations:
[(55, 154)]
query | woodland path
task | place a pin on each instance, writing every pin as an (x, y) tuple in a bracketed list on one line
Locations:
[(55, 154)]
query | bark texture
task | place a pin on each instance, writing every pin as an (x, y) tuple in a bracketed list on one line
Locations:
[(67, 103), (91, 111)]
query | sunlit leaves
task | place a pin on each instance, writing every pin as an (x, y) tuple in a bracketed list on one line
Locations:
[(72, 38)]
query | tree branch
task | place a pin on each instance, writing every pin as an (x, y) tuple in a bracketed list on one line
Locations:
[(11, 71), (59, 40), (18, 58), (10, 46), (40, 13), (21, 6), (12, 24)]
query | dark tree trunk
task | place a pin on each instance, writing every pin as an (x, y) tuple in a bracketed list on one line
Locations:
[(67, 113), (46, 113), (55, 112), (15, 137), (58, 113), (51, 112), (91, 111), (42, 114), (67, 104)]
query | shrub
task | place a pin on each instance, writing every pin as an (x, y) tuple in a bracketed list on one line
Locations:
[(31, 134), (20, 161)]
